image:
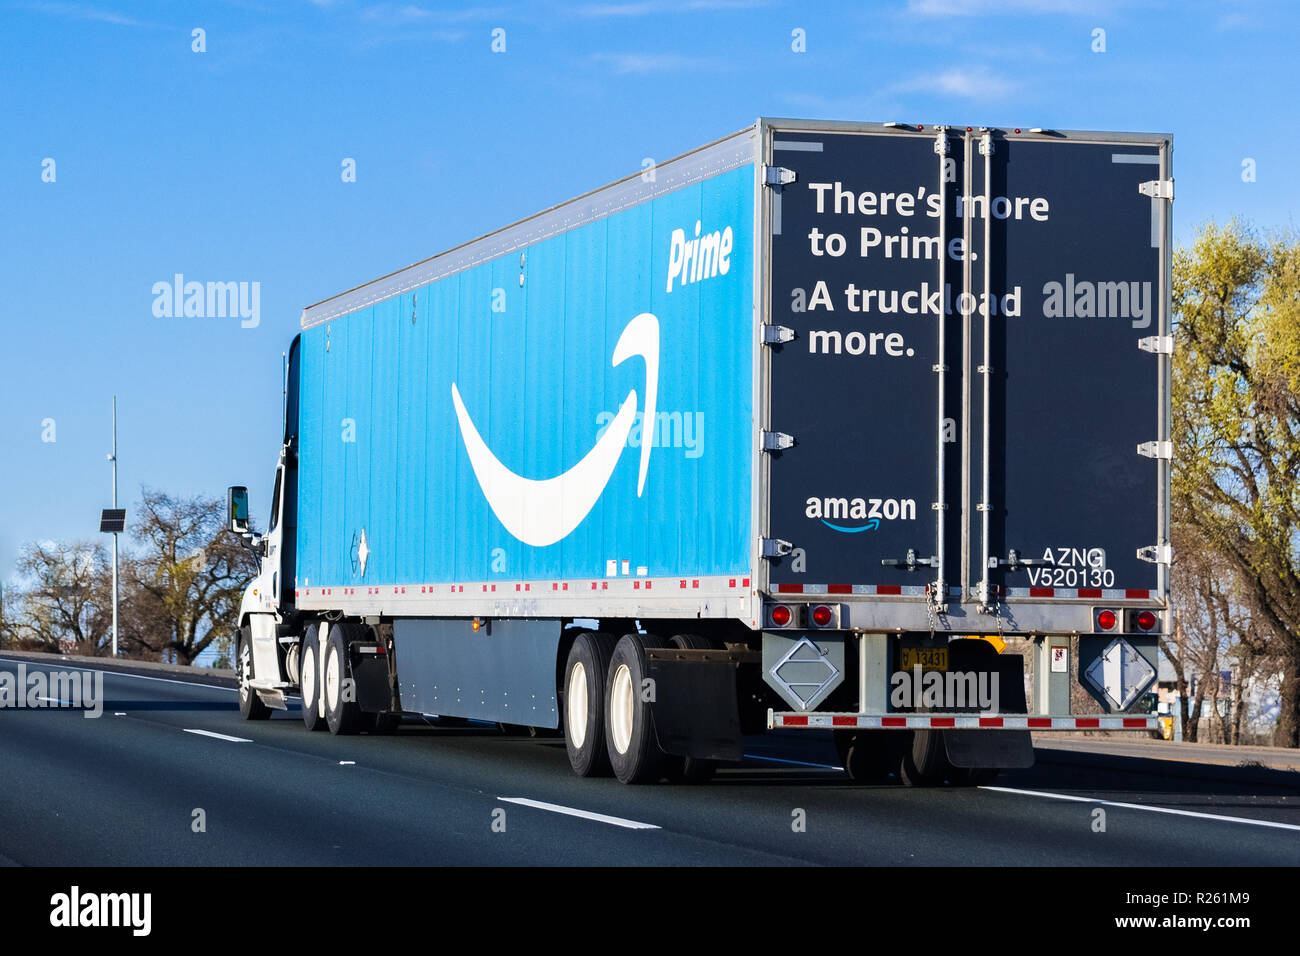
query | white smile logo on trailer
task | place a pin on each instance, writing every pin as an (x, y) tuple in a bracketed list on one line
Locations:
[(541, 512)]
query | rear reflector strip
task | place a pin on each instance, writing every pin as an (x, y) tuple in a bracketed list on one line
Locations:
[(896, 590), (959, 721), (1083, 594)]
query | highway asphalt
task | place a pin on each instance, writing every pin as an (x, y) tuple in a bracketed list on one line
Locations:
[(170, 775)]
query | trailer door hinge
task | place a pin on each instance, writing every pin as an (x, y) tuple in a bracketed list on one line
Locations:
[(775, 547), (1159, 344), (777, 441), (1157, 188), (1156, 449), (1157, 554), (778, 176), (776, 334)]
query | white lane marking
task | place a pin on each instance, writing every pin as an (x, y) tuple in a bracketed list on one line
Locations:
[(59, 665), (796, 763), (585, 814), (55, 700), (347, 763), (164, 680), (1141, 806), (209, 733)]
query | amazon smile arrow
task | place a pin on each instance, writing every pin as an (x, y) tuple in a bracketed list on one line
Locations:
[(541, 512)]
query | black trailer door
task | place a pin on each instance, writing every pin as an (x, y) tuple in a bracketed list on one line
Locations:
[(919, 450), (865, 244), (1074, 360)]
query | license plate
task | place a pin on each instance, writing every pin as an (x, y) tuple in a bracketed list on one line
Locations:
[(929, 658)]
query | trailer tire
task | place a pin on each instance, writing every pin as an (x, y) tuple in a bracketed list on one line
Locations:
[(925, 762), (634, 752), (690, 770), (341, 714), (251, 706), (584, 703), (309, 678)]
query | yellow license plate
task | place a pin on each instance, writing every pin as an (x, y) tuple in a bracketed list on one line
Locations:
[(928, 658)]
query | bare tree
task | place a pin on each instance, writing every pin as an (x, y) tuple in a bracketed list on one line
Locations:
[(1216, 627), (186, 579), (64, 604)]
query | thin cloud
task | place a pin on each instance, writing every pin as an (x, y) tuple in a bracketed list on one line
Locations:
[(1233, 21), (645, 8), (968, 84), (394, 14), (972, 8), (77, 11), (645, 63)]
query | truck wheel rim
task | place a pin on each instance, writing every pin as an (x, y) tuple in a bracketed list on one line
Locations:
[(331, 679), (309, 677), (576, 705), (622, 703), (243, 669)]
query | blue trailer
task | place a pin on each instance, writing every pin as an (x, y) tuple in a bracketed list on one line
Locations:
[(747, 441)]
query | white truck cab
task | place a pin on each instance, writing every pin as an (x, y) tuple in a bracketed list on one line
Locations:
[(267, 601)]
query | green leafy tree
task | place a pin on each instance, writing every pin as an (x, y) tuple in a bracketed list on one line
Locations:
[(1236, 399)]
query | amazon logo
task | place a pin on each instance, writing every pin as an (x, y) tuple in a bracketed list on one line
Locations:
[(837, 513)]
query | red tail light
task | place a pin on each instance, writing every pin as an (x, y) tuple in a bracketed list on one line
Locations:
[(781, 615), (1146, 620), (822, 615), (1106, 620)]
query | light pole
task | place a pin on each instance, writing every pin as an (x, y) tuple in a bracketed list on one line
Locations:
[(113, 458), (113, 521)]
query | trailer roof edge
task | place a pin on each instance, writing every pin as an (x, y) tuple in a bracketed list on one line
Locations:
[(720, 155)]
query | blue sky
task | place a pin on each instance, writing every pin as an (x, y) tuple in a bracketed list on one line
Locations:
[(225, 165)]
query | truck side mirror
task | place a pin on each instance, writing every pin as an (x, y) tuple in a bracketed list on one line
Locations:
[(237, 509)]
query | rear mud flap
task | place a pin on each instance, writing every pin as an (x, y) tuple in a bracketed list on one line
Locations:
[(695, 709)]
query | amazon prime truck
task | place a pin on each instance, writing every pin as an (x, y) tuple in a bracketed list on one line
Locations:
[(843, 426)]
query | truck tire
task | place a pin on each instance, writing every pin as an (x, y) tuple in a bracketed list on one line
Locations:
[(584, 703), (251, 706), (341, 714), (634, 753), (690, 770), (925, 763), (309, 678)]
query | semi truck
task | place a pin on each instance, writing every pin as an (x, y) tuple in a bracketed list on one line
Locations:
[(852, 427)]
